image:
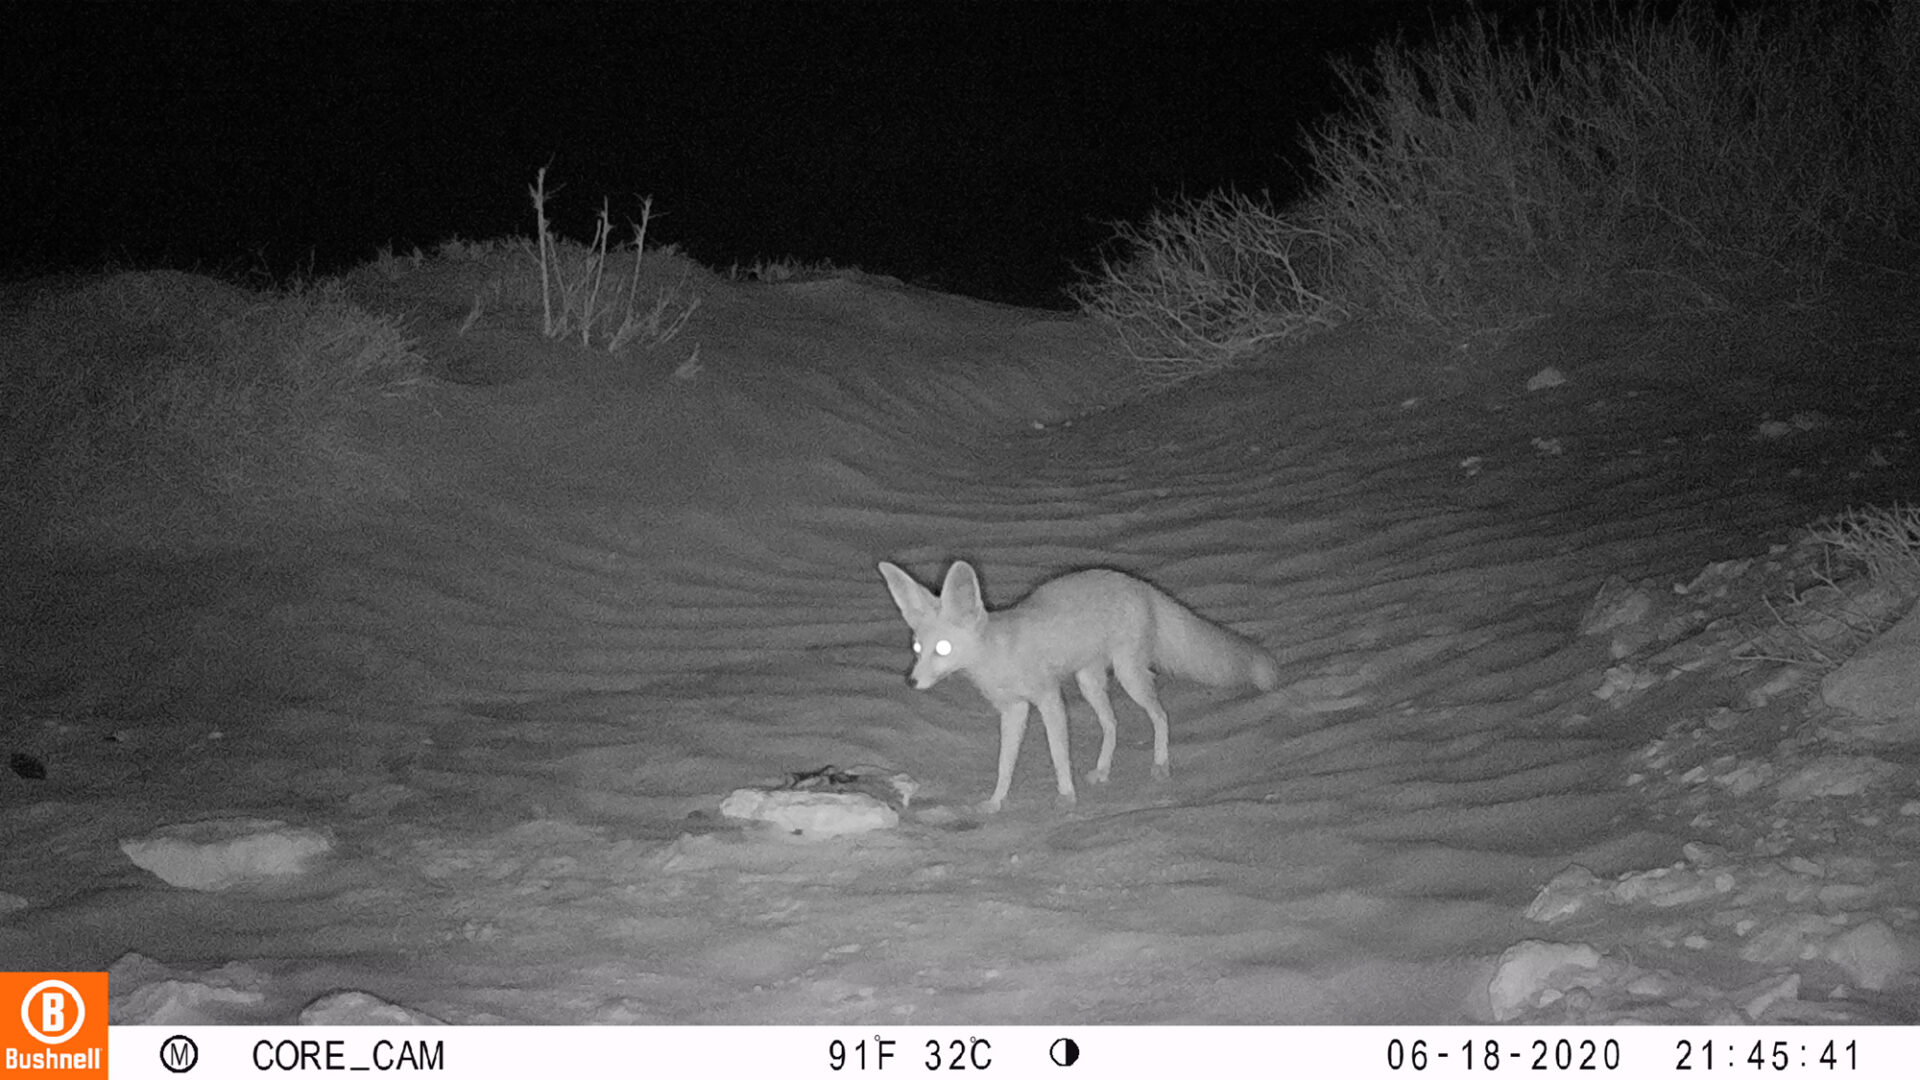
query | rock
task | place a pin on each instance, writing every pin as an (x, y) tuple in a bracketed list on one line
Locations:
[(1757, 999), (1546, 378), (1881, 682), (1617, 604), (1569, 893), (1536, 973), (210, 856), (1788, 940), (811, 814), (1670, 887), (358, 1008), (145, 991), (1835, 775), (1872, 955)]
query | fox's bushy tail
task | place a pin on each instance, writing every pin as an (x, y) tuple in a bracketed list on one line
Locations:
[(1189, 646)]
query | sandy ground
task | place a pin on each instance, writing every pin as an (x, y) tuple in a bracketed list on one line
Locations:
[(514, 699)]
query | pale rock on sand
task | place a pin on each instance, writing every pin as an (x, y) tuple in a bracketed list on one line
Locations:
[(1569, 893), (358, 1008), (1881, 683), (146, 991), (210, 856), (1873, 956), (1536, 973), (810, 814)]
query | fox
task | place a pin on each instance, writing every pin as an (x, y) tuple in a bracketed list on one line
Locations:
[(1081, 624)]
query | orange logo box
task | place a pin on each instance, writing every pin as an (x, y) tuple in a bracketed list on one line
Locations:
[(53, 1024)]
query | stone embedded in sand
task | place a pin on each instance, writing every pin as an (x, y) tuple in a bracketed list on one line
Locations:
[(213, 855), (186, 1002), (1536, 973), (1617, 604), (1836, 776), (1881, 682), (810, 813), (360, 1009), (146, 991), (1783, 682), (1569, 893), (1872, 955), (1755, 1000), (1665, 887), (1788, 940)]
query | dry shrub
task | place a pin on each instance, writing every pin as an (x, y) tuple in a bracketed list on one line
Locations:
[(153, 390), (1489, 177)]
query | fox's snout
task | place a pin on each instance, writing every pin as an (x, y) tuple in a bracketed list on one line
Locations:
[(922, 677)]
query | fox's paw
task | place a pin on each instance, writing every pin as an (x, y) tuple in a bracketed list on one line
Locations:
[(989, 806), (1162, 773), (1097, 776), (1064, 801)]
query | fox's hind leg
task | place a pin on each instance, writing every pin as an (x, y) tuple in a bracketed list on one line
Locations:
[(1093, 687), (1136, 679)]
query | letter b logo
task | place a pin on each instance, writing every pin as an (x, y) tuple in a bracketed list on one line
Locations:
[(61, 1012)]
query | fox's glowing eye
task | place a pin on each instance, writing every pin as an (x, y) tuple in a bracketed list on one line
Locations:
[(916, 647), (943, 647)]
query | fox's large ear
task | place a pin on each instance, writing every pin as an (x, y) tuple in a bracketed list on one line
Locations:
[(960, 594), (914, 601)]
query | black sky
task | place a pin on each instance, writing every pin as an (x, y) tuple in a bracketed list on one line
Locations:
[(982, 148)]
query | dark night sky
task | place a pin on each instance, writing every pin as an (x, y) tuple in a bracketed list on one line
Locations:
[(981, 148)]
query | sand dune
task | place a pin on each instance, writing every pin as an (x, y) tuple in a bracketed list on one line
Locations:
[(515, 698)]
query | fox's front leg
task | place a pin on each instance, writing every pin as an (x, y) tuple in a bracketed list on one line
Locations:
[(1013, 728), (1053, 717)]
